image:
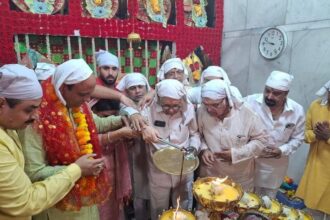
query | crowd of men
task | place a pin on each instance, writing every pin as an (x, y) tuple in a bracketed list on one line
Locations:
[(50, 139)]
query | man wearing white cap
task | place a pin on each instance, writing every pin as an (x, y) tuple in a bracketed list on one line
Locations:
[(232, 135), (135, 86), (173, 117), (66, 129), (210, 73), (20, 97), (314, 186), (107, 68), (284, 120), (173, 69)]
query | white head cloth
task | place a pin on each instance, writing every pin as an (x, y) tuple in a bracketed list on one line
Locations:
[(19, 82), (217, 89), (44, 70), (104, 58), (171, 88), (70, 72), (323, 93), (171, 64), (279, 80), (215, 71), (132, 79)]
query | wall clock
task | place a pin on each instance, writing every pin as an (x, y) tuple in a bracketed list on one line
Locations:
[(272, 43)]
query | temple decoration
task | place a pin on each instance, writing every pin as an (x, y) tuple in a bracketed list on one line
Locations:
[(154, 11), (101, 8), (40, 6), (195, 14)]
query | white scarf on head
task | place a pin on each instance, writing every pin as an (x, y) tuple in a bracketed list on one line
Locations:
[(70, 72), (44, 70), (104, 58), (323, 93), (171, 64), (215, 71), (132, 79), (217, 89), (171, 88), (19, 82), (279, 80)]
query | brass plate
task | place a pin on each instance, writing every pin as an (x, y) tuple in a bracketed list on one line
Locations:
[(169, 161), (169, 215)]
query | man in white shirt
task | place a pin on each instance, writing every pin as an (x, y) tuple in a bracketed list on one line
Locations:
[(232, 135), (284, 120), (173, 117)]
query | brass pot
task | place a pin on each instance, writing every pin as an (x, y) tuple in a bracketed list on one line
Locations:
[(169, 215), (254, 203), (211, 204)]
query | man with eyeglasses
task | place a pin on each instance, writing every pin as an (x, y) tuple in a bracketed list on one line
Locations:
[(232, 135), (173, 117), (314, 185), (284, 120)]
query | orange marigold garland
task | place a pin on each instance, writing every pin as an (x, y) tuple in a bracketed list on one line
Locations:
[(64, 142)]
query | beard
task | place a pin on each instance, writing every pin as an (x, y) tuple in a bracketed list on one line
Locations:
[(110, 80), (270, 102)]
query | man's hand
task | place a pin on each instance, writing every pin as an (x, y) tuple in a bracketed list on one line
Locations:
[(127, 101), (147, 99), (90, 166), (208, 158), (127, 132), (150, 134), (322, 130), (271, 152), (226, 155), (137, 121)]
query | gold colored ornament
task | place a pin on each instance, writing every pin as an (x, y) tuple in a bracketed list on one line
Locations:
[(134, 37), (98, 2)]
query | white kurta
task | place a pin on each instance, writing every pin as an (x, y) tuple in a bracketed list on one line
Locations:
[(180, 129), (243, 133), (286, 133)]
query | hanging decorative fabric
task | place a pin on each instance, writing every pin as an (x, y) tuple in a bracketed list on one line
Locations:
[(40, 7), (154, 10), (101, 8), (195, 14)]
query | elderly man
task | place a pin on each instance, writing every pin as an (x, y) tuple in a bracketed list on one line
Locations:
[(211, 73), (64, 130), (135, 86), (314, 186), (284, 120), (174, 119), (173, 69), (232, 135), (20, 96)]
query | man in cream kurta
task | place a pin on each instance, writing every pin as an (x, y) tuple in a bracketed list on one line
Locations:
[(284, 120), (174, 119), (232, 135), (135, 86), (77, 73), (20, 95)]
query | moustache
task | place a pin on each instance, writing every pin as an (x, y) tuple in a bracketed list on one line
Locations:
[(270, 102)]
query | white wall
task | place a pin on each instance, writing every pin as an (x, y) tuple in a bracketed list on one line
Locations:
[(307, 55)]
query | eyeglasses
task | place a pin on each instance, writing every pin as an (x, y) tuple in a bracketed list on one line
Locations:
[(114, 68), (173, 107)]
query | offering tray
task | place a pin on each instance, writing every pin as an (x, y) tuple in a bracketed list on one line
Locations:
[(288, 213), (274, 211)]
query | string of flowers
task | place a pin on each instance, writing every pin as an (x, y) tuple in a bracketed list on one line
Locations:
[(64, 142)]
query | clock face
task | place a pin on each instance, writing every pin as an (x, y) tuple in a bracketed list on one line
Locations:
[(272, 43)]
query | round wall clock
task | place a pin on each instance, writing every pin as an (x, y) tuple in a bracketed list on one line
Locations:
[(272, 43)]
